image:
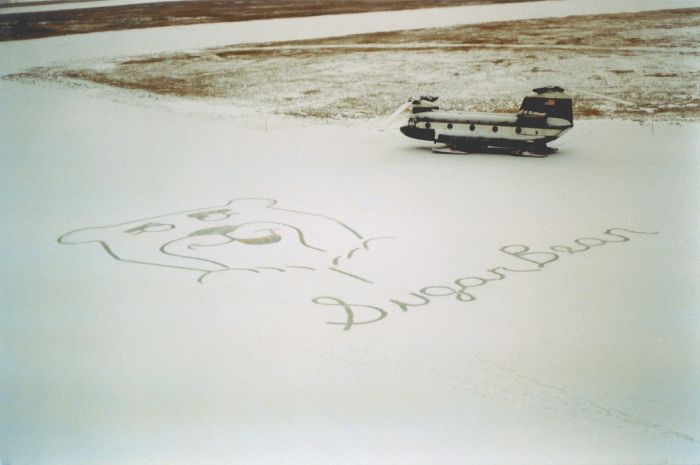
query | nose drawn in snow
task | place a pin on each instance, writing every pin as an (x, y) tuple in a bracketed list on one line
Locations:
[(249, 234)]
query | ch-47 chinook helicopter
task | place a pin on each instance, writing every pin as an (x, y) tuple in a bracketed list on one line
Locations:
[(544, 115)]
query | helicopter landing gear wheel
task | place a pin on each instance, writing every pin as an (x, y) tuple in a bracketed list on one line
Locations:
[(542, 149)]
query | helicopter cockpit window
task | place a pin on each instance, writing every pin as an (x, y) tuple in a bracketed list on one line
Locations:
[(556, 107), (533, 104)]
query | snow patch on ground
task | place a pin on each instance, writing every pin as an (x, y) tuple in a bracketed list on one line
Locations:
[(590, 358), (591, 355)]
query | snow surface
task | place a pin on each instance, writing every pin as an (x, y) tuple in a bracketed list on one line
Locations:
[(591, 359)]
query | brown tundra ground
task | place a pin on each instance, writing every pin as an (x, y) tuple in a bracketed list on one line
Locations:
[(636, 66), (111, 18)]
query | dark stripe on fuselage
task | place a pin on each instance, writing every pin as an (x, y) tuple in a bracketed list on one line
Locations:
[(536, 123), (464, 141)]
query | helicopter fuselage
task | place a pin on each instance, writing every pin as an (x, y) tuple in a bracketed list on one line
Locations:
[(541, 119), (484, 129)]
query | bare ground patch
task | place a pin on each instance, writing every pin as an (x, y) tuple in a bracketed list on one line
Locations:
[(40, 2), (650, 60), (79, 21)]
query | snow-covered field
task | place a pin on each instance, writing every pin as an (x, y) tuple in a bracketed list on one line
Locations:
[(181, 288)]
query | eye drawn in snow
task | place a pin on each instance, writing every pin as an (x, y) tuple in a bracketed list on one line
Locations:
[(250, 235)]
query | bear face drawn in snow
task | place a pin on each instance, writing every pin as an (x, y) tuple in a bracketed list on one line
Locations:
[(243, 235)]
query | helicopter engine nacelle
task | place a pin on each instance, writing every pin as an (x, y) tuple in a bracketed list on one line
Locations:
[(424, 103)]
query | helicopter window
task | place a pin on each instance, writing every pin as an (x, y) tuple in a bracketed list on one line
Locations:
[(518, 130), (494, 129), (472, 127), (535, 104), (557, 107), (427, 125), (449, 125)]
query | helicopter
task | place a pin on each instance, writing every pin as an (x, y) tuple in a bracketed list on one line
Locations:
[(543, 116)]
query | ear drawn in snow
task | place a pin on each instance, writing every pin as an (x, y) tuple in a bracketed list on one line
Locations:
[(249, 234)]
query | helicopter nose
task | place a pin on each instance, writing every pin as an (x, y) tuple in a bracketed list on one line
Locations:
[(418, 133)]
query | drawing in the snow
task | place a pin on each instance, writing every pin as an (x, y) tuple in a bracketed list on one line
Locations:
[(221, 246), (249, 235)]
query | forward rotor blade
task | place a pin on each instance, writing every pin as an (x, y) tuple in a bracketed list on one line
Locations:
[(395, 115)]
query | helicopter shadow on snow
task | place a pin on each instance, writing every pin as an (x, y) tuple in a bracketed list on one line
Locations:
[(444, 151)]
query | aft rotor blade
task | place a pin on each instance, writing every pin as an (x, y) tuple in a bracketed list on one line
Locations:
[(605, 97)]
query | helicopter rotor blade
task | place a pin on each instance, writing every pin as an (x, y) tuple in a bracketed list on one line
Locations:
[(395, 114), (604, 97)]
